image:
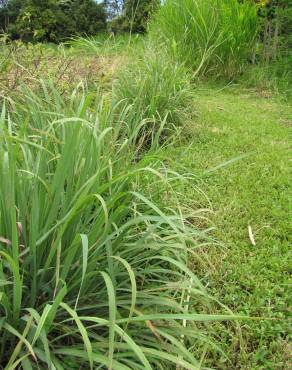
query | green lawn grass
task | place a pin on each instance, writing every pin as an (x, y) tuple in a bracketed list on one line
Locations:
[(251, 191)]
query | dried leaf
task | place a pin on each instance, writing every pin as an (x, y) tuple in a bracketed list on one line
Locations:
[(251, 236), (19, 229), (152, 328), (5, 241)]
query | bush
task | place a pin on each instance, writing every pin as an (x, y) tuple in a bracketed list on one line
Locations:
[(212, 37), (93, 274)]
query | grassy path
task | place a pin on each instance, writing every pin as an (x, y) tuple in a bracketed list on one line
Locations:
[(253, 191)]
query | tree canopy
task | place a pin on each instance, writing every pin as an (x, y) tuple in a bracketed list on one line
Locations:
[(51, 20), (57, 20)]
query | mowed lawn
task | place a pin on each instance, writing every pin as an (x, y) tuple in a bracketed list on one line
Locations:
[(250, 277)]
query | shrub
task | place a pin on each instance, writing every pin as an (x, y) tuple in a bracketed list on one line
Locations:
[(211, 36), (92, 273)]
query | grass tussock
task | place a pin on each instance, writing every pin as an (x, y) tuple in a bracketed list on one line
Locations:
[(93, 273), (158, 90)]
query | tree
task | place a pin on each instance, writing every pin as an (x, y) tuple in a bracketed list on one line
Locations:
[(9, 11), (135, 16), (52, 20), (138, 12), (90, 17)]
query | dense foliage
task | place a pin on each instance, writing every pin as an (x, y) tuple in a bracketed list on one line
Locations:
[(134, 16), (56, 20), (52, 20)]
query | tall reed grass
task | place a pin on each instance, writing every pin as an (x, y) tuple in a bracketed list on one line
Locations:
[(93, 274), (213, 37)]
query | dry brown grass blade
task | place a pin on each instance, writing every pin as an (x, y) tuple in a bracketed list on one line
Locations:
[(251, 236), (5, 241)]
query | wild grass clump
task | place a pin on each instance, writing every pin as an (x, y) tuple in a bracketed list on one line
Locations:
[(105, 44), (158, 90), (213, 37), (93, 274), (275, 77)]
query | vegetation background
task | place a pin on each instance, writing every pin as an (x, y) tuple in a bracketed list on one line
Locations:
[(144, 184)]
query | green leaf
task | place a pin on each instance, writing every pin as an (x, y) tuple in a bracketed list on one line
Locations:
[(82, 331)]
